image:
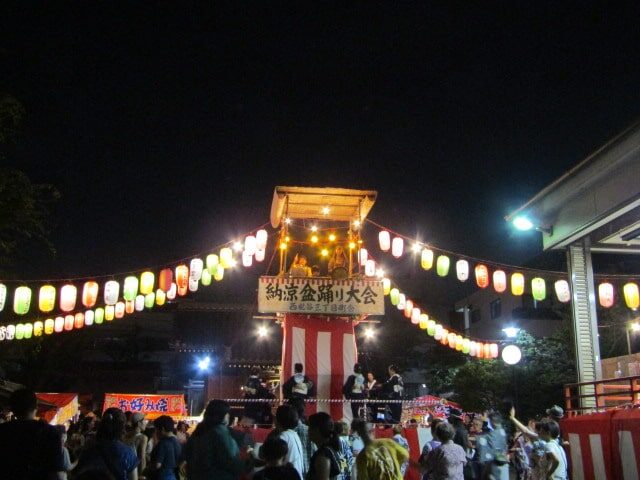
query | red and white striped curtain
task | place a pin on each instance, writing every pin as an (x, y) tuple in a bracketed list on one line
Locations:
[(326, 347)]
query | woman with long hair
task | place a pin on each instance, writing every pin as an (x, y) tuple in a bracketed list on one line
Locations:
[(327, 462), (211, 452), (109, 453)]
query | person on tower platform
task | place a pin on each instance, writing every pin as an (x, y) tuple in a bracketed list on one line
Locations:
[(393, 390), (298, 385), (354, 389)]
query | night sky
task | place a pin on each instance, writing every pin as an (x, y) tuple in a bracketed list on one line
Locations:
[(166, 127)]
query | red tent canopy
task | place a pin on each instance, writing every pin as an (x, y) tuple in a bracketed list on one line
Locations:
[(57, 407)]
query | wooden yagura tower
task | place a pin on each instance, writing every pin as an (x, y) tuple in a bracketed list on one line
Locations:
[(319, 302)]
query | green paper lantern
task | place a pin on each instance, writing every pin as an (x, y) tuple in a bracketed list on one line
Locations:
[(130, 289), (219, 274), (212, 263), (149, 300), (99, 315), (538, 289), (394, 295), (206, 278), (21, 301), (442, 266)]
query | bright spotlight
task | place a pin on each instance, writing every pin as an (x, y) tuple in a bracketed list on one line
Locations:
[(511, 332), (204, 363), (325, 210), (237, 246), (522, 223), (287, 221), (380, 273), (324, 252), (314, 228), (356, 223), (635, 327), (416, 248), (511, 354), (263, 331), (369, 333), (332, 237)]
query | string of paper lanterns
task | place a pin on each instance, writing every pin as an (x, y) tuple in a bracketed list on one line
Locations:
[(133, 294), (499, 278)]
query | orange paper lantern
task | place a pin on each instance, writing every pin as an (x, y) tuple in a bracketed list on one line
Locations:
[(90, 294), (482, 276)]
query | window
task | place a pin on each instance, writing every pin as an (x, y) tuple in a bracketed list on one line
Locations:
[(496, 309)]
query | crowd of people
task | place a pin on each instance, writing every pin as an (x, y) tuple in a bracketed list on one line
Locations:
[(119, 445)]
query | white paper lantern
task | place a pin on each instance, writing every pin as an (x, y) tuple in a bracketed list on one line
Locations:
[(397, 247), (195, 269), (462, 270), (385, 240), (261, 241), (362, 254), (370, 268), (250, 245), (247, 259), (259, 256), (111, 292)]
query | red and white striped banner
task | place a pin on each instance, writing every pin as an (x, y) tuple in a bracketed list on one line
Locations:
[(326, 347)]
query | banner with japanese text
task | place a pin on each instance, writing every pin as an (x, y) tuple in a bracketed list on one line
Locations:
[(151, 405), (320, 296)]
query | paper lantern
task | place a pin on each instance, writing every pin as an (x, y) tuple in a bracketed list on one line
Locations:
[(58, 325), (90, 293), (89, 317), (482, 276), (487, 351), (11, 332), (19, 331), (147, 282), (431, 328), (68, 322), (150, 300), (195, 269), (493, 350), (402, 301), (250, 245), (3, 296), (385, 240), (423, 321), (22, 300), (193, 285), (386, 286), (517, 284), (480, 350), (605, 294), (261, 240), (3, 332), (363, 256), (161, 297), (247, 259), (462, 270), (165, 279), (370, 268), (408, 308), (499, 281), (78, 320), (437, 333), (99, 315), (205, 279), (442, 265), (48, 326), (171, 293), (182, 279), (28, 330), (259, 256), (109, 312), (130, 289), (119, 310), (129, 306), (631, 295), (445, 337), (538, 289), (212, 263), (562, 291), (466, 346), (394, 296), (397, 247), (451, 339), (47, 298), (111, 292), (473, 348), (139, 303), (226, 257), (426, 259), (219, 273), (68, 295)]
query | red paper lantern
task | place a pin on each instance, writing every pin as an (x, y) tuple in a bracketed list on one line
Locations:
[(182, 279), (165, 278), (482, 276), (78, 320)]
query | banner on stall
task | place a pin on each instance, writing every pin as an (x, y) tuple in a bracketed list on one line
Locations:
[(151, 405), (320, 296)]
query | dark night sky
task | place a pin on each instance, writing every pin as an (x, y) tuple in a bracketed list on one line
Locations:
[(166, 128)]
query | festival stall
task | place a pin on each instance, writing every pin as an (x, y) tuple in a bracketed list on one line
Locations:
[(151, 405), (423, 408), (57, 408)]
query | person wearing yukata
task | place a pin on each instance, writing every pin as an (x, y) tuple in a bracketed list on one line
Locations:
[(393, 390), (298, 385), (354, 389)]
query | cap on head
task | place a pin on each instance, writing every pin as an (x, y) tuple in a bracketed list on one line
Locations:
[(555, 411)]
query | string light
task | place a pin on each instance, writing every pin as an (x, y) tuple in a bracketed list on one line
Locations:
[(325, 210), (314, 239), (332, 237), (287, 220), (416, 248), (314, 228), (324, 252), (237, 246)]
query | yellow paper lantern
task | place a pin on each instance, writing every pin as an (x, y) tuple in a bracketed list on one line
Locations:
[(22, 300), (517, 284), (161, 297), (386, 286), (109, 312), (68, 296), (459, 342), (48, 326), (219, 274), (605, 294), (426, 259), (147, 282), (226, 257), (47, 298), (424, 321), (631, 295), (212, 263)]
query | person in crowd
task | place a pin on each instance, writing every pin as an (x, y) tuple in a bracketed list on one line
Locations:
[(380, 459), (136, 439), (354, 389), (400, 440), (303, 432), (492, 450), (429, 446), (556, 414), (274, 453), (346, 451), (299, 267), (556, 457), (315, 271), (182, 432), (456, 420), (68, 465), (447, 461), (166, 455), (30, 448), (326, 463), (211, 452), (521, 448), (109, 453), (393, 389), (373, 388), (298, 385), (256, 412), (338, 260), (286, 422)]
